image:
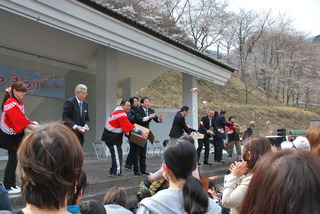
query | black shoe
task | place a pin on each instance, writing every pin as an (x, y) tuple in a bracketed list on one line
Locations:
[(137, 173), (199, 164), (207, 163), (112, 174), (128, 167), (144, 173), (221, 161)]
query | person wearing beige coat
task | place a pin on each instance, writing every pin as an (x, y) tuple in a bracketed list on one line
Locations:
[(237, 182), (235, 189)]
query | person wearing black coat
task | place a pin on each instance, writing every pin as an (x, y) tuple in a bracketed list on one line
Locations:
[(220, 134), (133, 155), (76, 113), (144, 115), (206, 123), (179, 125)]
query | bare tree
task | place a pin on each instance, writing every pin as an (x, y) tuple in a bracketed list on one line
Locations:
[(176, 9), (204, 21), (249, 28), (284, 59), (266, 55), (161, 15), (228, 38)]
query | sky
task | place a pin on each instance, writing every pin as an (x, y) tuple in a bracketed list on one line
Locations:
[(305, 13)]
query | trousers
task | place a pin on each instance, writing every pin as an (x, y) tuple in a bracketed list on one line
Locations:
[(218, 146), (230, 146), (206, 144), (116, 158), (133, 157)]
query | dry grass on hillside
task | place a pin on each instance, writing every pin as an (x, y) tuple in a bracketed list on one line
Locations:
[(166, 92)]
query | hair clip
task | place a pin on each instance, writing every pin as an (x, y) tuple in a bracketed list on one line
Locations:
[(8, 89), (188, 174)]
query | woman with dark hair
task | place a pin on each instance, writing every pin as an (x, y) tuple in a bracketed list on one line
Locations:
[(287, 181), (49, 164), (313, 135), (115, 201), (157, 177), (187, 138), (142, 194), (185, 193), (12, 126), (117, 124), (92, 207), (236, 183)]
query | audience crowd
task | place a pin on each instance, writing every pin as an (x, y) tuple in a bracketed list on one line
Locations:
[(52, 180)]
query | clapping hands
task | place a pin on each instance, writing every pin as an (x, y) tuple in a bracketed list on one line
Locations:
[(238, 168)]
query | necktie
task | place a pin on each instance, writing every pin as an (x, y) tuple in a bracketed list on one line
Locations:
[(80, 104), (210, 122), (147, 112)]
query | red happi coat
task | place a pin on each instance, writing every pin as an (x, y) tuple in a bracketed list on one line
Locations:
[(13, 119), (230, 129), (118, 122)]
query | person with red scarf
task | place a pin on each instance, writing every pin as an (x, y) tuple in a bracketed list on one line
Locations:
[(117, 124), (12, 126)]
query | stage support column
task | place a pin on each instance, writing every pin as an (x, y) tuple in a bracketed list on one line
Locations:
[(190, 99), (106, 88)]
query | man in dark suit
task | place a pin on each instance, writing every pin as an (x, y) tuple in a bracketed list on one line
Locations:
[(179, 125), (144, 115), (75, 112), (206, 123), (221, 123)]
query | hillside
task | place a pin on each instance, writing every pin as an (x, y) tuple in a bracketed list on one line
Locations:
[(165, 92)]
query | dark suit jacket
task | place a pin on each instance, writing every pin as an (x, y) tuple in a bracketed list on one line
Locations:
[(221, 123), (140, 114), (132, 114), (248, 132), (178, 125), (71, 115), (206, 126)]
